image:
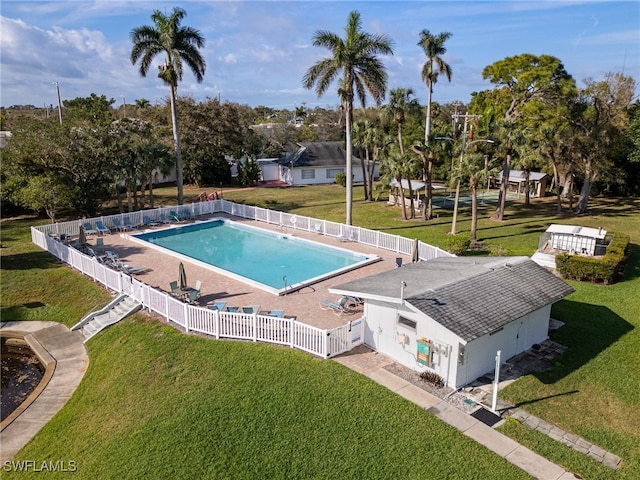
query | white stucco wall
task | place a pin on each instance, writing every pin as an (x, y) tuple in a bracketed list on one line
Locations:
[(514, 338), (386, 335), (320, 177)]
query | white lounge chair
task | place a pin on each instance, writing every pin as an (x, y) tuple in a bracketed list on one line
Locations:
[(339, 307)]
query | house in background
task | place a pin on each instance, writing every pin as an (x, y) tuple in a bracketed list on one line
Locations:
[(451, 315), (518, 182), (313, 163)]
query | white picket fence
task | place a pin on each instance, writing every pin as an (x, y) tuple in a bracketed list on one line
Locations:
[(254, 327)]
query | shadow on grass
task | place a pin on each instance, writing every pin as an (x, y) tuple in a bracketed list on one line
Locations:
[(535, 400), (29, 260), (588, 330)]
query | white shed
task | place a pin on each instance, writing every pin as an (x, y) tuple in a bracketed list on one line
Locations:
[(575, 239), (451, 315)]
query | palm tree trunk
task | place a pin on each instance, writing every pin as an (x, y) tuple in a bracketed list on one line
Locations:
[(176, 144), (372, 168), (150, 190), (504, 187), (412, 206), (585, 192), (348, 173), (427, 129), (455, 209), (474, 209), (364, 158), (527, 196), (404, 204), (556, 178)]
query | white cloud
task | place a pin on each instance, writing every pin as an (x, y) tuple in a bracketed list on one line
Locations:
[(229, 58)]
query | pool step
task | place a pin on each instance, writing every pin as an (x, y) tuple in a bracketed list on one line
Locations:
[(117, 309)]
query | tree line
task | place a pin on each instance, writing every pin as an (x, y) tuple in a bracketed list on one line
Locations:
[(534, 118)]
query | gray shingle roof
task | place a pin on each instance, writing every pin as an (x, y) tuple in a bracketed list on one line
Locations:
[(471, 297), (317, 154)]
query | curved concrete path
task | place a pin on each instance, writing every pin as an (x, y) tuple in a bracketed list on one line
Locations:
[(71, 361)]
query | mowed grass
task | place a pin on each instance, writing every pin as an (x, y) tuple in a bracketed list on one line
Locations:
[(157, 403)]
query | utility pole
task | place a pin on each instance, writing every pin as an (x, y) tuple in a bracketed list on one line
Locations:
[(466, 117), (59, 103)]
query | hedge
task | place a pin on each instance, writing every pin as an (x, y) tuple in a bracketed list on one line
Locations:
[(600, 270)]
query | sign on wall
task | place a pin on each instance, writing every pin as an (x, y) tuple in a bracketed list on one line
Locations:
[(425, 352)]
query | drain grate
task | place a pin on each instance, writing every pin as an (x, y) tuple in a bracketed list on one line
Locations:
[(486, 417)]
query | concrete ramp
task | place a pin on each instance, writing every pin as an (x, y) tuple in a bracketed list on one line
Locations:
[(544, 260), (117, 309)]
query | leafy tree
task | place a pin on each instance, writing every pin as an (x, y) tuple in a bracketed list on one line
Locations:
[(355, 64), (598, 118), (89, 110), (45, 192), (522, 80), (180, 44), (248, 172), (65, 155), (214, 131)]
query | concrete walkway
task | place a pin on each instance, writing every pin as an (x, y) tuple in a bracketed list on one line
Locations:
[(70, 361), (372, 365)]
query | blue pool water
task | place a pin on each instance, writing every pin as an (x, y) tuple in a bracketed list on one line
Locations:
[(258, 256)]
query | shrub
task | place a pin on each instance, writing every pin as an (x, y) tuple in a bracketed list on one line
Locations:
[(458, 244), (341, 179), (432, 377), (603, 270)]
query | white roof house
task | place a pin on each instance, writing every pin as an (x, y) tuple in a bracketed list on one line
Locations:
[(451, 315)]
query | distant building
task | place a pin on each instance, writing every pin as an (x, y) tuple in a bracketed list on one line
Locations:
[(518, 182), (313, 163), (4, 138)]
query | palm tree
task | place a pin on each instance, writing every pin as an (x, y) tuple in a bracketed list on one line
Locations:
[(142, 103), (400, 105), (354, 63), (362, 139), (433, 46), (180, 44), (473, 169)]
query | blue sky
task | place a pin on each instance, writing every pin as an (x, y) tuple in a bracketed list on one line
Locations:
[(258, 51)]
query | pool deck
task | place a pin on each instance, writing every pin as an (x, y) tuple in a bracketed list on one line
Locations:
[(304, 304)]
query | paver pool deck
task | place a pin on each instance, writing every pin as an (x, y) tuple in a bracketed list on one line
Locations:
[(303, 304)]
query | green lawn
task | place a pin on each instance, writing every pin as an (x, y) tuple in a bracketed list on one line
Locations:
[(156, 403)]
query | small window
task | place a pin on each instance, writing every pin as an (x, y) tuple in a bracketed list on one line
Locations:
[(407, 322), (332, 172), (308, 174)]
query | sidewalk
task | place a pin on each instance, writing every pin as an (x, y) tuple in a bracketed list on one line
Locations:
[(371, 364), (70, 360)]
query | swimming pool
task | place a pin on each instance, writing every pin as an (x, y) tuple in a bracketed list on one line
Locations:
[(270, 261)]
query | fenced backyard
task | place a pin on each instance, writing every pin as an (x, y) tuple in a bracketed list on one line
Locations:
[(255, 327)]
